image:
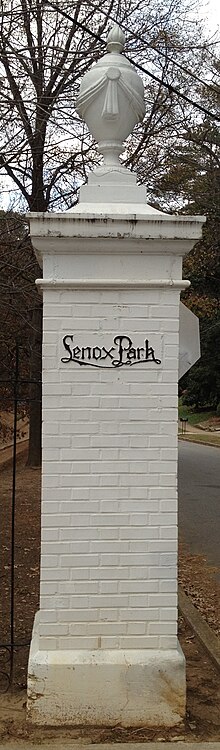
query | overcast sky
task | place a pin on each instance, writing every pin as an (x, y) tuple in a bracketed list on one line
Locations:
[(210, 9)]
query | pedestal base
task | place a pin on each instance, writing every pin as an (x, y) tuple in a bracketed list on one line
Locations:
[(131, 688)]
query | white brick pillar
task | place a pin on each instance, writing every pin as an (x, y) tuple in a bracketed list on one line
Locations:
[(104, 647)]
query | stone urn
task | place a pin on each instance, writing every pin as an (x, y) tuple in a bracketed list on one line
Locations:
[(111, 99)]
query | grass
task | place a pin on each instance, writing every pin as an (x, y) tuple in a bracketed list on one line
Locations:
[(194, 417), (206, 439)]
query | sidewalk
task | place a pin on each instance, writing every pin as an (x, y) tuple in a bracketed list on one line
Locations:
[(190, 428)]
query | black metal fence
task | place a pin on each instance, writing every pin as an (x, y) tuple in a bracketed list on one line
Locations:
[(15, 393)]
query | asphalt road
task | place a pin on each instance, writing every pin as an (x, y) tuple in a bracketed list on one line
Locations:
[(199, 499)]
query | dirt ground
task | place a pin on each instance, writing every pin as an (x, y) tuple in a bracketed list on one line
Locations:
[(203, 680)]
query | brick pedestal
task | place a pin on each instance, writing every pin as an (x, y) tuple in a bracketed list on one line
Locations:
[(104, 648)]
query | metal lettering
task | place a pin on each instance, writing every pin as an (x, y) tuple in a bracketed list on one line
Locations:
[(123, 353)]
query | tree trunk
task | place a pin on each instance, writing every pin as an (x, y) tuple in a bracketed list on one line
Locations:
[(35, 391)]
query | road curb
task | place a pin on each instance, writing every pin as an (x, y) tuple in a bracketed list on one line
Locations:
[(202, 630), (195, 440)]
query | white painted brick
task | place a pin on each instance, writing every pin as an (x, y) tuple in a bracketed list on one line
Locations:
[(79, 414), (136, 441), (108, 614), (74, 428), (79, 532), (139, 642), (139, 519), (51, 415), (164, 311), (168, 614), (107, 628), (109, 573), (108, 480), (66, 547), (110, 493), (147, 614), (139, 480), (59, 520), (48, 588), (80, 642), (109, 546), (49, 337), (167, 641), (163, 493), (168, 586), (162, 519), (162, 546), (142, 586), (109, 507), (86, 587), (169, 454), (79, 454), (50, 429), (55, 629), (139, 572), (123, 506), (78, 480), (55, 467), (120, 519), (110, 642), (55, 574), (57, 441), (136, 628), (140, 456), (168, 532), (81, 506), (137, 493), (108, 453), (168, 559), (139, 532), (109, 441), (108, 533), (139, 600), (50, 506), (79, 604), (50, 310), (167, 506), (56, 389), (49, 644), (69, 587), (48, 535), (49, 561), (47, 604), (50, 493), (109, 559), (162, 572), (50, 481), (109, 587), (78, 615), (48, 616), (113, 600), (162, 600), (78, 561), (79, 493), (162, 628)]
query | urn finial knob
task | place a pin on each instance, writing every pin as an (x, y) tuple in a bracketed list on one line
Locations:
[(115, 40)]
